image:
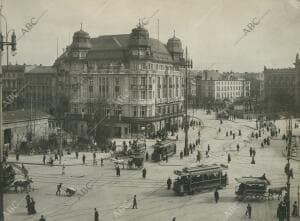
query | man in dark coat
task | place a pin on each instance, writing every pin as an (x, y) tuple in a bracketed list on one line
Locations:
[(118, 171), (169, 183), (96, 215), (144, 173), (216, 195), (58, 189), (134, 206), (249, 210)]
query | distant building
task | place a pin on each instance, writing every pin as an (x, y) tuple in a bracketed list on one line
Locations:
[(136, 80), (40, 91), (17, 125), (212, 86), (297, 84), (13, 85), (279, 89)]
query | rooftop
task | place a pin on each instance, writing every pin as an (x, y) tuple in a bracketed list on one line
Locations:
[(19, 115)]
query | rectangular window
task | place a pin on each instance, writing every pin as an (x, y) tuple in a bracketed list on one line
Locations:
[(135, 111), (143, 111)]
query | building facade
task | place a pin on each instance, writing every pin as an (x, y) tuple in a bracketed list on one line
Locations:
[(216, 86), (134, 80), (279, 89), (14, 86)]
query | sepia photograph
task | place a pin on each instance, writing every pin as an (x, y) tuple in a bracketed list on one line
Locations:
[(149, 110)]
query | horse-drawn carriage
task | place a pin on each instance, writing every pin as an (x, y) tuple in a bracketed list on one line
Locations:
[(252, 187), (131, 162)]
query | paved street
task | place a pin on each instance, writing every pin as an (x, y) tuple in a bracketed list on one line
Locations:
[(100, 188)]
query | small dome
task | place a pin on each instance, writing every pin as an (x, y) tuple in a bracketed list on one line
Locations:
[(174, 45), (81, 40), (139, 36)]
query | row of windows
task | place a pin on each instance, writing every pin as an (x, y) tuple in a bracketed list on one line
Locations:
[(231, 82)]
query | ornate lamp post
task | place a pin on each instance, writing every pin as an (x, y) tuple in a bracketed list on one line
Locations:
[(187, 64), (13, 44)]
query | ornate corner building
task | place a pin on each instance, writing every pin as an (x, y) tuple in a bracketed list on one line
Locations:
[(129, 82)]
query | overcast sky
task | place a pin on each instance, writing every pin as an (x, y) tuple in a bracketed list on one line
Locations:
[(209, 28)]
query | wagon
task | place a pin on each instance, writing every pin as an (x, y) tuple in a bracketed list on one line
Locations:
[(252, 188)]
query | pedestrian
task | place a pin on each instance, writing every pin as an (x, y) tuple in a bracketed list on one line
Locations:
[(58, 189), (253, 160), (32, 207), (198, 157), (226, 133), (295, 208), (229, 158), (233, 136), (216, 195), (248, 211), (208, 148), (94, 159), (147, 156), (55, 156), (96, 215), (144, 173), (250, 151), (83, 159), (101, 160), (174, 219), (118, 171), (28, 202), (44, 159), (169, 183), (63, 170), (253, 152), (281, 211), (134, 206), (238, 147), (42, 218), (76, 154)]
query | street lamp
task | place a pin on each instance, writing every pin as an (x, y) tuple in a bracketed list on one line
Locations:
[(187, 64), (6, 37), (13, 44)]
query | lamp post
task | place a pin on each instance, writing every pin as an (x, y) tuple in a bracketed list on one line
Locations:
[(12, 43), (6, 37), (187, 64)]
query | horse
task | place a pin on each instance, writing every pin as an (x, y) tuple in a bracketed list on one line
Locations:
[(23, 184), (276, 191)]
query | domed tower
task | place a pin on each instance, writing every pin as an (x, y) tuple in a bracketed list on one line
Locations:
[(81, 44), (175, 48), (139, 43)]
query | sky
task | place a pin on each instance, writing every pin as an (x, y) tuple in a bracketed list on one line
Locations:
[(210, 29)]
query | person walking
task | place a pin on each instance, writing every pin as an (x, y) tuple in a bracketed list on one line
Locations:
[(249, 211), (96, 215), (253, 160), (216, 194), (253, 152), (63, 170), (238, 147), (118, 171), (281, 211), (169, 183), (144, 173), (94, 159), (77, 155), (134, 206), (42, 218), (58, 189), (228, 158), (295, 208), (44, 159), (83, 159)]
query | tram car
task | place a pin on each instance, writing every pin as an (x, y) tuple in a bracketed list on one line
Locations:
[(199, 178), (163, 149), (251, 187)]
